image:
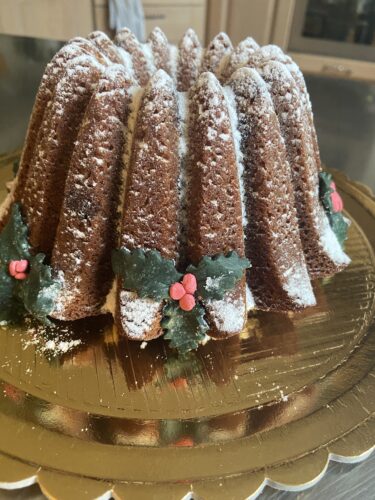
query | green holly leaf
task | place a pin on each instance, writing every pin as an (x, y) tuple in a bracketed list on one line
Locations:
[(13, 238), (325, 191), (217, 275), (35, 294), (145, 272), (39, 290), (11, 307), (337, 221), (13, 246), (184, 329), (339, 226)]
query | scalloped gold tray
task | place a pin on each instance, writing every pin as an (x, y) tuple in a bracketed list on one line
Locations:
[(270, 407)]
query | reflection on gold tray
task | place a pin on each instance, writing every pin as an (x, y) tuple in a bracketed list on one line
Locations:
[(270, 407)]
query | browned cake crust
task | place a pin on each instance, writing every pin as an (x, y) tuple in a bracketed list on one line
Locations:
[(86, 232), (296, 131), (216, 53), (128, 42), (77, 47), (151, 198), (214, 208), (91, 49), (106, 46), (41, 201), (160, 50), (278, 276), (239, 57), (274, 53), (300, 81), (189, 60)]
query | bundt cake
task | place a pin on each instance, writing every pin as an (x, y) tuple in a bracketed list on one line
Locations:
[(175, 187)]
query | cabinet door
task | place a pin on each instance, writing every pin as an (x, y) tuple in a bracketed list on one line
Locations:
[(242, 18), (53, 19), (174, 17), (253, 18)]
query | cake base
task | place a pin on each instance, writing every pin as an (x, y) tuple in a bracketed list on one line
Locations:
[(112, 417)]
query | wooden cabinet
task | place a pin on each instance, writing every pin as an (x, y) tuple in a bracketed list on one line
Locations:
[(53, 19), (175, 16), (241, 18), (64, 19)]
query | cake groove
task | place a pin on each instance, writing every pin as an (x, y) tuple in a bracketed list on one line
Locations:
[(150, 214), (86, 231)]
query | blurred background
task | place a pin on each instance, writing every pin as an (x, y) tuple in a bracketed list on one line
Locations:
[(332, 40)]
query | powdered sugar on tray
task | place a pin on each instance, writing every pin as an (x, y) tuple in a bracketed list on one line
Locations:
[(49, 340)]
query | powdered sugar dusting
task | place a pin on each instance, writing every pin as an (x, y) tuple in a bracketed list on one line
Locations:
[(149, 57), (231, 104), (297, 285), (138, 315), (183, 178), (228, 315), (127, 60), (216, 54), (330, 243), (173, 57), (250, 302), (49, 340)]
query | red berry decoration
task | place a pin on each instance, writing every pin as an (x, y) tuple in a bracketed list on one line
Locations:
[(187, 303), (189, 282), (184, 292), (337, 203), (17, 269), (177, 291)]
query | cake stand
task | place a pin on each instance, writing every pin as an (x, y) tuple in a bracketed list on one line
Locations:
[(111, 417)]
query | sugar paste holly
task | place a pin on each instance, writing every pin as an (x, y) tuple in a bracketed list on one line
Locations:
[(333, 206), (148, 274), (26, 282)]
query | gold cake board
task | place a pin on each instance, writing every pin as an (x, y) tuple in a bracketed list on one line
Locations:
[(271, 407)]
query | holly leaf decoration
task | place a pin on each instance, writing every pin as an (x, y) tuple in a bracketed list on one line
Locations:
[(35, 294), (184, 329), (339, 226), (325, 190), (39, 290), (11, 307), (13, 238), (338, 222), (217, 275), (13, 246), (145, 272)]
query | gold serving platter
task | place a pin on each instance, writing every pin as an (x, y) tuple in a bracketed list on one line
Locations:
[(273, 406)]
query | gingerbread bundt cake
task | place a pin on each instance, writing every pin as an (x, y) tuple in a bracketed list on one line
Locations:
[(175, 187)]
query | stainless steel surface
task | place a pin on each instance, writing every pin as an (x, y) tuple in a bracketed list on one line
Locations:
[(339, 28), (344, 112), (22, 62), (341, 482)]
